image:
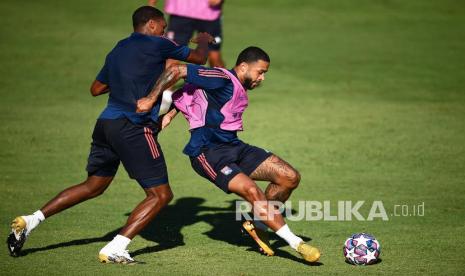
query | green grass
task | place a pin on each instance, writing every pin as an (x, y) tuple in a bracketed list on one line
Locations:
[(365, 98)]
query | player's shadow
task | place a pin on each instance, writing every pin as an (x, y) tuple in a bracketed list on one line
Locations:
[(165, 229), (227, 228)]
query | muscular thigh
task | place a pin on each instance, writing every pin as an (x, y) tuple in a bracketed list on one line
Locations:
[(274, 169)]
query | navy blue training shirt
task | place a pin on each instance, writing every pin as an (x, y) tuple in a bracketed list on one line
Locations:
[(131, 70), (219, 90)]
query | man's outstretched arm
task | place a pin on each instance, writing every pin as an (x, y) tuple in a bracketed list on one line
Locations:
[(200, 54), (168, 78)]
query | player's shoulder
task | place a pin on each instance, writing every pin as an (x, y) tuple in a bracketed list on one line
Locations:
[(163, 41), (203, 71)]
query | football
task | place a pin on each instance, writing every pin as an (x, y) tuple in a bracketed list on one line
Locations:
[(362, 249)]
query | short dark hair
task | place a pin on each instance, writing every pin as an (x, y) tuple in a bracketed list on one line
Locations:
[(252, 54), (143, 14)]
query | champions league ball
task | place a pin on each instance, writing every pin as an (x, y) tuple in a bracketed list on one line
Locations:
[(361, 249)]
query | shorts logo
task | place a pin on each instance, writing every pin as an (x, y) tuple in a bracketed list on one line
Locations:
[(226, 170)]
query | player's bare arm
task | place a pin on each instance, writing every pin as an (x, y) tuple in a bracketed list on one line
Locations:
[(200, 54), (168, 78), (98, 88)]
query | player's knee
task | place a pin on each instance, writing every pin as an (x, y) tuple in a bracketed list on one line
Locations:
[(253, 193), (95, 188), (96, 193), (294, 179), (290, 179), (166, 197), (163, 197)]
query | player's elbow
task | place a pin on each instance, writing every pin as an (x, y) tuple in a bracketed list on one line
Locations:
[(199, 60), (94, 92), (203, 60), (198, 57), (97, 88)]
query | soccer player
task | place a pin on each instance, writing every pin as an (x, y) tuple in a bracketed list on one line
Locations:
[(187, 16), (213, 101), (120, 134)]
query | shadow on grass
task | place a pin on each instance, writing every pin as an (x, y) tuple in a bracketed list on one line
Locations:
[(378, 261), (165, 230)]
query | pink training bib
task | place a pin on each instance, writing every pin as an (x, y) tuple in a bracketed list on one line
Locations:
[(193, 103), (197, 9)]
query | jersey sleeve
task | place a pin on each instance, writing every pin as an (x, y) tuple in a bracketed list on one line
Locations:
[(207, 78), (170, 49)]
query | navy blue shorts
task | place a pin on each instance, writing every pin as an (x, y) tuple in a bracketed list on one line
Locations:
[(181, 29), (221, 163), (135, 146)]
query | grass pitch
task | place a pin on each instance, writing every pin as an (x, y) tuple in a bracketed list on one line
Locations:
[(365, 98)]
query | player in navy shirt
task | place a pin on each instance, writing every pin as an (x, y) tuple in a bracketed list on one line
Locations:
[(122, 135), (213, 101), (132, 68)]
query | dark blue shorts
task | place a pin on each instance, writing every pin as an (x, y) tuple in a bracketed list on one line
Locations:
[(221, 163), (181, 29), (135, 146)]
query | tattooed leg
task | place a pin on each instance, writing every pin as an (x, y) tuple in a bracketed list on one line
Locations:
[(283, 177)]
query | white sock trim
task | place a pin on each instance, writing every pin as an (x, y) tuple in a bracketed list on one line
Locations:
[(286, 234), (39, 215), (122, 240), (32, 221), (118, 243)]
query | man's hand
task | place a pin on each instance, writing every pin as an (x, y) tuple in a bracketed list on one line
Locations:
[(203, 38), (168, 118), (200, 54), (166, 121), (144, 104)]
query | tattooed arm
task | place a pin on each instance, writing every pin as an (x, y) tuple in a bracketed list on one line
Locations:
[(168, 78)]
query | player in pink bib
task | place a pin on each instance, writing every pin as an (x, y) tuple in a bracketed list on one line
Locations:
[(189, 16), (213, 101)]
